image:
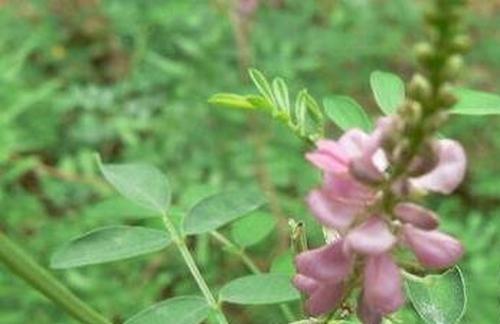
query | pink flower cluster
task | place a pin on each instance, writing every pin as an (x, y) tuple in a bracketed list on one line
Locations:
[(353, 168)]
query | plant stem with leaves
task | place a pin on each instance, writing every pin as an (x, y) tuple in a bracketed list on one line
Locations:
[(193, 268)]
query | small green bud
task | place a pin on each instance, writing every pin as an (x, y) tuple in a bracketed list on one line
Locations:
[(460, 43), (420, 88), (446, 97), (452, 66), (424, 52)]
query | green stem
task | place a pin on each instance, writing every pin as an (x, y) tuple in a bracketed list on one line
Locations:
[(233, 248), (27, 269), (193, 268)]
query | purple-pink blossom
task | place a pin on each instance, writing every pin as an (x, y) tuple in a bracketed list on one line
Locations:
[(348, 204)]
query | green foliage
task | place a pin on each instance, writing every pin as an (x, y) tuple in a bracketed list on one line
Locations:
[(140, 183), (109, 244), (438, 299), (471, 102), (346, 113), (252, 229), (304, 118), (182, 310), (177, 54), (388, 90), (218, 210), (259, 289)]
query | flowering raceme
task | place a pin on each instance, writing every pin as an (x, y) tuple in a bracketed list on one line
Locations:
[(351, 206)]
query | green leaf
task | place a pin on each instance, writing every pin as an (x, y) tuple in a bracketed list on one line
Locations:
[(262, 84), (438, 299), (217, 210), (259, 289), (388, 90), (281, 94), (346, 113), (471, 102), (141, 183), (231, 101), (109, 244), (177, 310), (252, 229), (284, 264)]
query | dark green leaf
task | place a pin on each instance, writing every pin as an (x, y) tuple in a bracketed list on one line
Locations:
[(177, 310), (346, 113), (109, 244), (217, 210), (141, 183), (388, 90), (259, 289), (438, 299), (471, 102)]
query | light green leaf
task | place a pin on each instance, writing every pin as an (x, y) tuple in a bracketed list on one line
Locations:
[(141, 183), (438, 299), (281, 94), (262, 84), (346, 113), (252, 229), (388, 90), (217, 210), (177, 310), (471, 102), (259, 289), (109, 244), (231, 101)]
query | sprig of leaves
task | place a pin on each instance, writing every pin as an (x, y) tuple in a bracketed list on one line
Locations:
[(304, 116)]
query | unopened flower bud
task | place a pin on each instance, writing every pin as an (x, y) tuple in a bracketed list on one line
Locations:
[(434, 124), (424, 52), (452, 66), (400, 151), (446, 97), (419, 88), (460, 43)]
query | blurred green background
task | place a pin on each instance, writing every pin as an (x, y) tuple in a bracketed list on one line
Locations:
[(130, 80)]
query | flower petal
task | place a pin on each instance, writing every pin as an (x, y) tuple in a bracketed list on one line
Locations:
[(383, 292), (328, 263), (450, 170), (372, 237), (433, 249), (344, 187), (354, 142), (305, 284), (330, 212), (329, 157), (416, 215), (324, 299), (366, 314)]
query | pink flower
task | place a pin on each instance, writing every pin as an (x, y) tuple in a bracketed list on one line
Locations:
[(448, 173), (416, 215), (373, 237), (353, 168), (433, 249), (321, 274)]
